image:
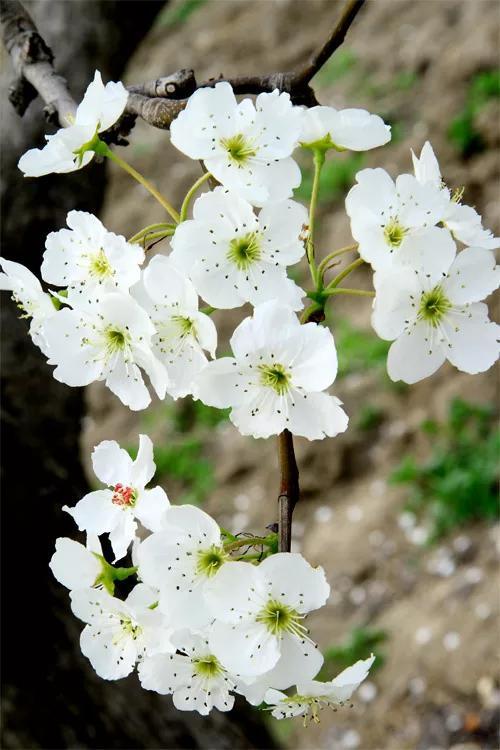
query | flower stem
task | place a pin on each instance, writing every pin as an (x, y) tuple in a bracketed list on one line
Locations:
[(342, 275), (208, 310), (319, 160), (143, 181), (322, 268), (189, 195), (344, 290), (251, 541), (150, 228)]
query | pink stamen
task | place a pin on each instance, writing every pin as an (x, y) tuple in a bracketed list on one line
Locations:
[(123, 495)]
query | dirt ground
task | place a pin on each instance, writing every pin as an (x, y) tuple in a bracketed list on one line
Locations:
[(414, 63)]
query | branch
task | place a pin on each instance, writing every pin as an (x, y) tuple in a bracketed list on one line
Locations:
[(157, 102), (289, 489)]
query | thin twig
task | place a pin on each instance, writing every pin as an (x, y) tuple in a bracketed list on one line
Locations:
[(289, 489)]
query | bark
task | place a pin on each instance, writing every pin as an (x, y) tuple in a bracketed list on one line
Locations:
[(51, 696)]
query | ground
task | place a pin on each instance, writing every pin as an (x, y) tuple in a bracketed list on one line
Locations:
[(427, 67)]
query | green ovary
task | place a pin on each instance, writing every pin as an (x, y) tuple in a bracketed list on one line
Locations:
[(99, 265), (394, 233), (243, 251), (239, 149), (275, 377), (116, 340), (186, 325), (433, 306), (279, 618), (210, 560), (207, 667)]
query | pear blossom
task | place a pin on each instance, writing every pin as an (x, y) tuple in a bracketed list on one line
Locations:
[(119, 633), (394, 222), (29, 296), (276, 379), (463, 221), (345, 129), (432, 317), (258, 612), (247, 146), (115, 510), (87, 259), (183, 332), (193, 676), (75, 565), (180, 561), (101, 106), (107, 341), (312, 696), (232, 256), (300, 658)]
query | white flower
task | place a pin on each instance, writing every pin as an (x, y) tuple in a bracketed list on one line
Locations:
[(77, 566), (87, 258), (394, 222), (114, 510), (259, 610), (347, 129), (182, 331), (29, 296), (276, 378), (194, 677), (246, 146), (180, 561), (101, 106), (300, 660), (119, 633), (463, 221), (434, 317), (233, 256), (107, 341), (312, 696)]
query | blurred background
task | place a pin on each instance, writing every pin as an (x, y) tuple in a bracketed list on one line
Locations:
[(401, 510)]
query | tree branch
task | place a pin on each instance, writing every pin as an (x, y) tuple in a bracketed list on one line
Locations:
[(289, 489), (157, 102)]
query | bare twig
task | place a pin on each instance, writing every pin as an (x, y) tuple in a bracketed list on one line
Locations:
[(157, 102), (289, 489)]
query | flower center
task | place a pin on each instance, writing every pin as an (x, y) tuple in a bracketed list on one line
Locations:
[(243, 251), (239, 149), (276, 377), (279, 618), (433, 306), (99, 265), (129, 628), (210, 560), (124, 495), (394, 233), (207, 667), (186, 325), (116, 340)]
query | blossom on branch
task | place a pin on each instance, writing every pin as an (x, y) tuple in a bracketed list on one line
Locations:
[(232, 256), (66, 150), (247, 146), (277, 377), (87, 259), (115, 510), (344, 130), (74, 565), (437, 316)]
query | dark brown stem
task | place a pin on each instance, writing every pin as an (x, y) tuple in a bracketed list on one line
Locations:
[(157, 102), (289, 489)]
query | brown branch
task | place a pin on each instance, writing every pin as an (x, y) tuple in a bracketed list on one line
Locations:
[(157, 102), (289, 489)]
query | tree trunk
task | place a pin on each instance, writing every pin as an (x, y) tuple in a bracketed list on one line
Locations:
[(51, 696)]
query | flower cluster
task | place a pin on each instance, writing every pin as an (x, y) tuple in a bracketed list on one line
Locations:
[(205, 620), (212, 615)]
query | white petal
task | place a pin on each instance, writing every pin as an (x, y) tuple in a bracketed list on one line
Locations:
[(125, 381), (315, 358), (93, 605), (415, 355), (150, 508), (430, 250), (143, 468), (218, 384), (426, 168), (248, 592), (472, 277), (164, 673), (473, 340), (316, 415), (295, 582), (74, 565), (247, 648), (112, 464), (466, 225), (112, 655), (396, 302), (372, 197), (122, 534), (95, 513)]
